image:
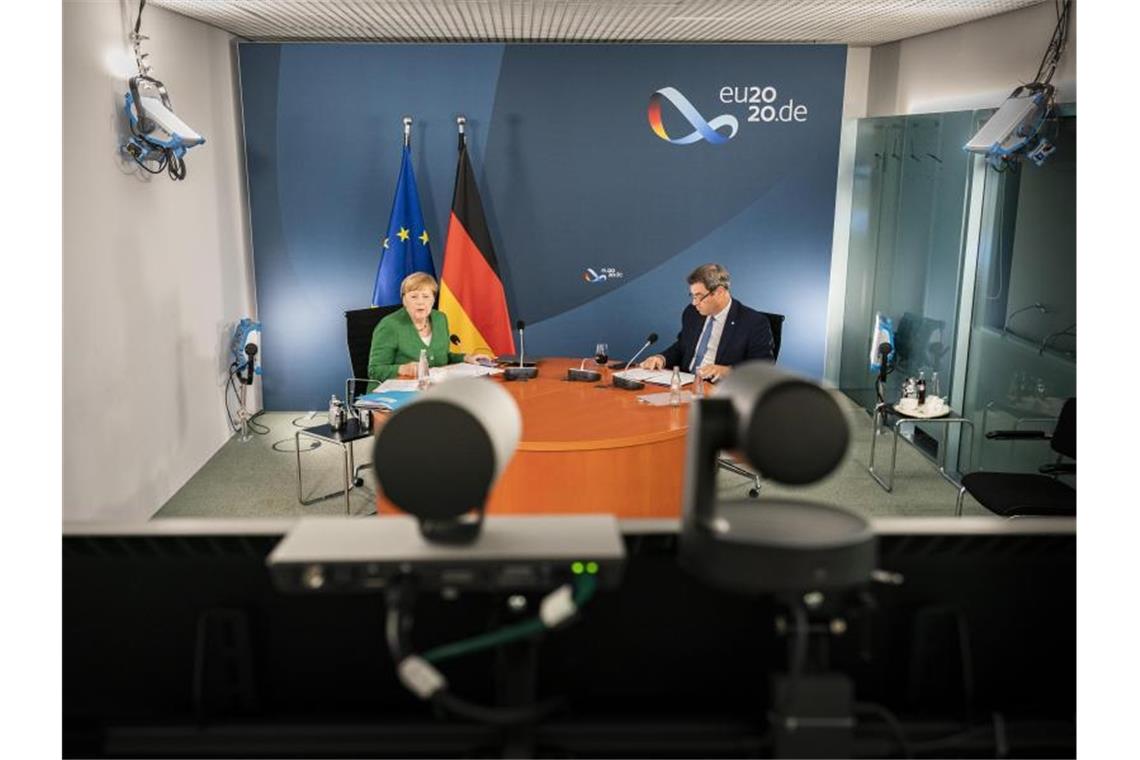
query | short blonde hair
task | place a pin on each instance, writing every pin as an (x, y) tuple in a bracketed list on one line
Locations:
[(418, 280)]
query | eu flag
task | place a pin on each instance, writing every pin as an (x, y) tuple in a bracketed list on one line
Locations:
[(405, 247)]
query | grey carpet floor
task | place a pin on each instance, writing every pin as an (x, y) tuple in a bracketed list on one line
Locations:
[(258, 478)]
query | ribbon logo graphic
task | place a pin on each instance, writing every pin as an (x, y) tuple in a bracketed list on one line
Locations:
[(702, 130), (591, 276)]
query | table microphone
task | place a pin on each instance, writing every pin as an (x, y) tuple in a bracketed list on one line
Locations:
[(648, 342), (626, 383), (250, 352), (520, 372)]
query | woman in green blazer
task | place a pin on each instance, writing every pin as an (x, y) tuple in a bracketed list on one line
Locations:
[(398, 339)]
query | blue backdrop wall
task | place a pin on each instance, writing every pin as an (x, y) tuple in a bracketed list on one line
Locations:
[(573, 176)]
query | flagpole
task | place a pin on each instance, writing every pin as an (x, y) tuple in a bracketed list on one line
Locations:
[(461, 122), (407, 131)]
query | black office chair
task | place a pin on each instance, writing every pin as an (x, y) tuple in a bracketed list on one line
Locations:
[(776, 322), (1012, 494), (359, 326)]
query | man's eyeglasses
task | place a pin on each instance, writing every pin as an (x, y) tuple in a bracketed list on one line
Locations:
[(696, 299)]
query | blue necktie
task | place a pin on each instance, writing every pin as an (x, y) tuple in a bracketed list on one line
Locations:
[(702, 345)]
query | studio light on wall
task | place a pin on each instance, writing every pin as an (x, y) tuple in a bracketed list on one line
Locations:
[(159, 139)]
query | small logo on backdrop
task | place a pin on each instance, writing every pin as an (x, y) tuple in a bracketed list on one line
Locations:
[(762, 104), (601, 274), (702, 130)]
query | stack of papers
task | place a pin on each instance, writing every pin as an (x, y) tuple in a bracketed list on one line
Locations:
[(462, 369), (654, 376)]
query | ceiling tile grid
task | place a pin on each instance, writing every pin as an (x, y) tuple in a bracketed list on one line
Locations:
[(851, 22)]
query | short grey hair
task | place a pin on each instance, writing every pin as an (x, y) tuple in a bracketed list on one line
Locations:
[(712, 276)]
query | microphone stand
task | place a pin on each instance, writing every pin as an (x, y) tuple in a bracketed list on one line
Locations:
[(243, 384), (648, 343), (521, 372), (243, 413), (624, 382)]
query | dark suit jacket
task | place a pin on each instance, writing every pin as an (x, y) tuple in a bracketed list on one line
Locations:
[(747, 335)]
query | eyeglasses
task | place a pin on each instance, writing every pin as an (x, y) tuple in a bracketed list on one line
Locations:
[(698, 299)]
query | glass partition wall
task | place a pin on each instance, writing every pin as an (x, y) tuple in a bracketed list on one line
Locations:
[(906, 244), (976, 270), (1022, 359)]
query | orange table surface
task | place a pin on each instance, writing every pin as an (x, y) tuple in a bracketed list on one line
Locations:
[(588, 449)]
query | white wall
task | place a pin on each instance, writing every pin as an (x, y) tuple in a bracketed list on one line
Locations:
[(155, 272), (974, 65)]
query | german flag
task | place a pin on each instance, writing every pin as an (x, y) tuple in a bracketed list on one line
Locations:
[(471, 291)]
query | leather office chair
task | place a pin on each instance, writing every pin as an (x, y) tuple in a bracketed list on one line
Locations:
[(776, 322), (1012, 494), (359, 326)]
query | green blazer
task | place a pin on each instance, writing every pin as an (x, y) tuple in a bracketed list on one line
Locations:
[(395, 341)]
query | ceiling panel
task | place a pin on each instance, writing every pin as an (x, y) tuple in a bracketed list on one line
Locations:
[(852, 22)]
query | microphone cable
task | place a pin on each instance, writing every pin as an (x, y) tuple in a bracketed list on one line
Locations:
[(419, 675)]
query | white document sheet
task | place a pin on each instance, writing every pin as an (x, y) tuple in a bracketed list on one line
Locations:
[(655, 376), (395, 385), (462, 369)]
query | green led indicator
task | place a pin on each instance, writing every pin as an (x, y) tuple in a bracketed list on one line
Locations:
[(577, 568), (592, 568)]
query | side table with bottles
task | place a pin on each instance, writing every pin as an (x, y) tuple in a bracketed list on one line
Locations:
[(914, 407), (342, 430)]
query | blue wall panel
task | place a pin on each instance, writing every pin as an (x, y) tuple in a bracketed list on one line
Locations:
[(572, 177)]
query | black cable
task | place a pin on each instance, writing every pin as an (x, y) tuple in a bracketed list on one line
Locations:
[(495, 716), (255, 425), (161, 164), (175, 166), (398, 621), (226, 396), (872, 708), (276, 446), (1056, 47), (138, 20)]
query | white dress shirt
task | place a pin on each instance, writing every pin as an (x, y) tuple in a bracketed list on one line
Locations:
[(719, 319)]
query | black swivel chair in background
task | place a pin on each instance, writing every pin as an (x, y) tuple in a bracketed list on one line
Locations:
[(1012, 494), (359, 326), (776, 322)]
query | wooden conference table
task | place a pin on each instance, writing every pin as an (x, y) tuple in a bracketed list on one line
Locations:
[(587, 449)]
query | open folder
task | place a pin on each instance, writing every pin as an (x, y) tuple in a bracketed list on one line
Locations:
[(386, 400)]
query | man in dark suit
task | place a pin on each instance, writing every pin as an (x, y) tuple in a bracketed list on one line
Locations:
[(717, 331)]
